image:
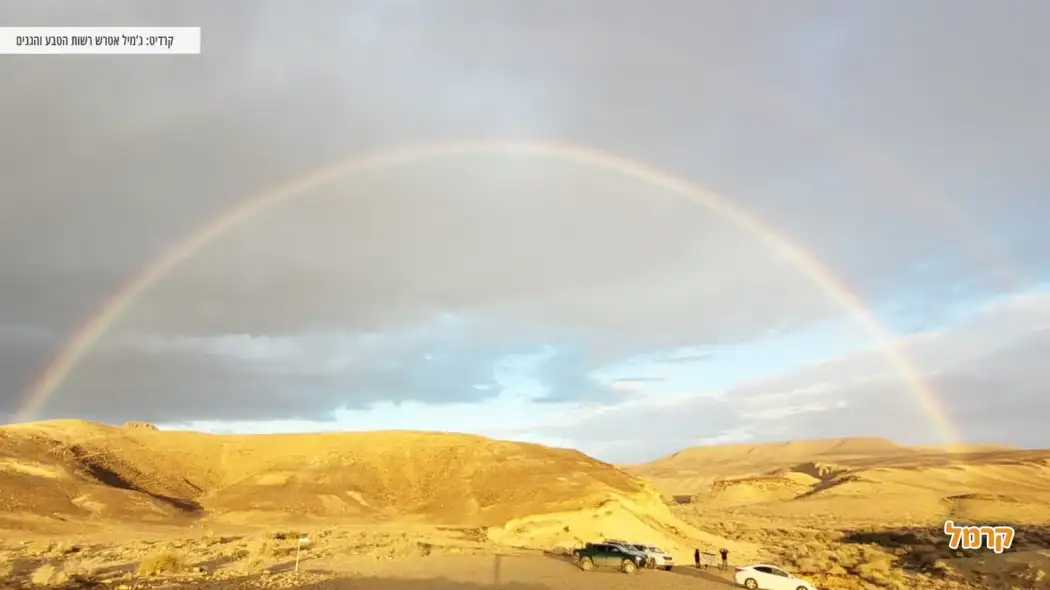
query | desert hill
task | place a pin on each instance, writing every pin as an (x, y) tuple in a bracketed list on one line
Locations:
[(72, 471), (798, 467), (78, 469), (740, 458), (869, 513), (870, 480)]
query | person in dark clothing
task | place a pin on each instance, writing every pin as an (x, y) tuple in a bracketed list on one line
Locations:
[(725, 558), (696, 558)]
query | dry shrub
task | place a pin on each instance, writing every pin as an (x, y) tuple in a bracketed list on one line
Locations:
[(211, 539), (161, 562), (836, 570), (809, 565), (878, 569), (941, 567), (258, 554), (48, 575), (73, 570), (872, 573), (41, 547), (831, 536), (926, 556)]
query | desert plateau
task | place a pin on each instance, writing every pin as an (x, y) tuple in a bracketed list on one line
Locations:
[(86, 505)]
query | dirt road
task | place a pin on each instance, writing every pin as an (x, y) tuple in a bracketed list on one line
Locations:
[(478, 572)]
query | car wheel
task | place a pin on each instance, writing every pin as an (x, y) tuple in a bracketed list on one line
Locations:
[(667, 568), (650, 563), (629, 567), (750, 584), (801, 588), (586, 564)]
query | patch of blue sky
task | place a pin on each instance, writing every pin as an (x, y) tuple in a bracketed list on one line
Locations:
[(719, 369)]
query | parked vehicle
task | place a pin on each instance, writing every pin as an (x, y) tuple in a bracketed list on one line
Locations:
[(628, 547), (656, 557), (594, 555), (767, 577)]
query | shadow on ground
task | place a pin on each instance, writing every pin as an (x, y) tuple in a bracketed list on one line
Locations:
[(570, 564), (711, 575), (361, 584), (1025, 564)]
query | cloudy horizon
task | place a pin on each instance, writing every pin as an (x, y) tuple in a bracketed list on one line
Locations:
[(901, 146)]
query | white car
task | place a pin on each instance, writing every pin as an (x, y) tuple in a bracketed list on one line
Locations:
[(658, 558), (767, 577)]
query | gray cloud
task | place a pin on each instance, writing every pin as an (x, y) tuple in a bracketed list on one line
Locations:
[(119, 157)]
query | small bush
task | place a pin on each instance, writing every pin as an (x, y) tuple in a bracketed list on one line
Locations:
[(258, 554), (941, 567), (837, 570), (160, 562), (48, 575), (877, 570), (41, 547), (808, 565), (80, 570)]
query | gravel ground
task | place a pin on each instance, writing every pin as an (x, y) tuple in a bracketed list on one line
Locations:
[(475, 573)]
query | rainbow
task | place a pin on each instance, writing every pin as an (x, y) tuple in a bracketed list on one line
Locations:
[(52, 377)]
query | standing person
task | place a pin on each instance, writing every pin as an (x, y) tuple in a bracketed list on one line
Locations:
[(725, 558), (696, 558)]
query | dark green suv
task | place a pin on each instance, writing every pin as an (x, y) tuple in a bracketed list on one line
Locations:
[(594, 555)]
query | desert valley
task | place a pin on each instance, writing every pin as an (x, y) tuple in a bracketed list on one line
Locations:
[(87, 505)]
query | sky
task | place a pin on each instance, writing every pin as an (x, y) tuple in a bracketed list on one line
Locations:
[(902, 146)]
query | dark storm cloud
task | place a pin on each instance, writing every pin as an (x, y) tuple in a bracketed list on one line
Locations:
[(117, 158)]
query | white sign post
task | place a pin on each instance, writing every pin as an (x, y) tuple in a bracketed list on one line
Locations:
[(298, 549)]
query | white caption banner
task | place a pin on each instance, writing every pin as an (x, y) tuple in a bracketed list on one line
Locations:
[(100, 40)]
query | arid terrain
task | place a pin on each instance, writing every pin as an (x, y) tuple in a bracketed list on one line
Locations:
[(87, 505), (849, 512)]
